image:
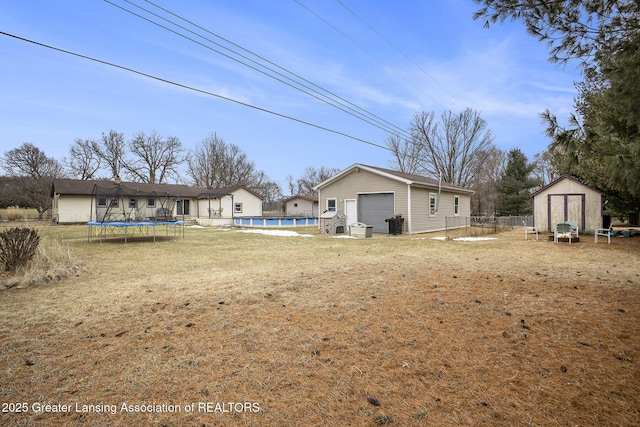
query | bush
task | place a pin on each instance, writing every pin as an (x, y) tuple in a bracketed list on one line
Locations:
[(17, 247)]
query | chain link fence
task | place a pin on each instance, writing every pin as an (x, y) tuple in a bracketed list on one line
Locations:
[(457, 226)]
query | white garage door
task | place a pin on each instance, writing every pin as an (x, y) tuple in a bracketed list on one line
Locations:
[(373, 209)]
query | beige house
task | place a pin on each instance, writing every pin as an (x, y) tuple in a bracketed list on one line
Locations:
[(79, 201), (301, 206), (217, 207), (568, 199), (369, 195)]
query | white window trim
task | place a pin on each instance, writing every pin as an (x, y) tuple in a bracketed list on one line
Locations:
[(435, 198), (335, 205), (237, 205), (456, 205)]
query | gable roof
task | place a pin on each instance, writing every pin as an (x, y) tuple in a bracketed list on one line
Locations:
[(405, 178), (306, 197), (563, 177), (216, 193), (78, 187)]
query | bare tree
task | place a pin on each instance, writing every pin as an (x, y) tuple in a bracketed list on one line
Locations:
[(453, 149), (409, 155), (292, 185), (155, 158), (313, 177), (32, 172), (485, 199), (216, 164), (83, 162), (111, 150), (544, 171), (263, 185)]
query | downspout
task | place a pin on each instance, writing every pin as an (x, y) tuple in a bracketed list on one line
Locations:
[(409, 208), (319, 207), (439, 191)]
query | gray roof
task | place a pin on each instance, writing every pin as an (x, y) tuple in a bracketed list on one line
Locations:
[(404, 177), (79, 187)]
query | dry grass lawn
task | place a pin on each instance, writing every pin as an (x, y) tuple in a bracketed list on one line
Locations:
[(239, 329)]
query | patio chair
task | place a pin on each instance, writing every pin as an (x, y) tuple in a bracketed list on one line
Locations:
[(574, 228), (608, 232), (562, 230), (529, 230)]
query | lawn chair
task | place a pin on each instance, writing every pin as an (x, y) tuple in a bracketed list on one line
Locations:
[(608, 232), (574, 228), (529, 230), (563, 231)]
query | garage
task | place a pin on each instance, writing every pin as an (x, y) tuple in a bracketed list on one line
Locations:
[(374, 208), (370, 194)]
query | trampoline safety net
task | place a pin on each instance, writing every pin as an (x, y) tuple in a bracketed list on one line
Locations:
[(125, 203)]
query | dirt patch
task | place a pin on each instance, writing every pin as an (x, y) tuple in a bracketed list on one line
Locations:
[(268, 330)]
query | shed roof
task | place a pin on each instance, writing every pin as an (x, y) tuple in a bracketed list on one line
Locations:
[(306, 197), (406, 178), (563, 177)]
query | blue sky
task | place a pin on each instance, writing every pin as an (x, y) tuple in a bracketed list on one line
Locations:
[(431, 57)]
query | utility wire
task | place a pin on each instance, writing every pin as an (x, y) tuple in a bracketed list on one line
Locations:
[(392, 45), (397, 129), (365, 50), (341, 107), (193, 89)]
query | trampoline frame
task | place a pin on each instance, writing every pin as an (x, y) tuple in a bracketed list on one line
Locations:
[(104, 228)]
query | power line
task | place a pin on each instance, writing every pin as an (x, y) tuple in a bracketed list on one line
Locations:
[(365, 50), (397, 129), (326, 99), (392, 45), (193, 89)]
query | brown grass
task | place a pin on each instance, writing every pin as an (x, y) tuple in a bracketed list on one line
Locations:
[(394, 330)]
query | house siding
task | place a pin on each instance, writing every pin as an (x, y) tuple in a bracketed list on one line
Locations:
[(362, 182), (72, 209), (74, 202), (304, 208), (251, 205), (423, 222)]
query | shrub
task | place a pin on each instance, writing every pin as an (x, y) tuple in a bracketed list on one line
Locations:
[(17, 247)]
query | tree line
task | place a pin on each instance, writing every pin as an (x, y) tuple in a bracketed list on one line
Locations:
[(458, 149), (601, 145), (148, 158)]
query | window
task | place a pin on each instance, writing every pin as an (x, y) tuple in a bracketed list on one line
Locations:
[(295, 205), (332, 205), (114, 202), (133, 203), (237, 208), (456, 205), (433, 206), (151, 203), (102, 202)]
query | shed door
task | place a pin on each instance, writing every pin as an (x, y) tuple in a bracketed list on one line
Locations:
[(373, 209), (565, 207)]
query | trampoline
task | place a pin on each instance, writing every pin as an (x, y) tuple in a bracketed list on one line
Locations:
[(126, 210), (103, 230)]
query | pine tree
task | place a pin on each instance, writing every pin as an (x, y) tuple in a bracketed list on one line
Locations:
[(516, 184)]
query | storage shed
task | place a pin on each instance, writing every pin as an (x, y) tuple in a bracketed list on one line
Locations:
[(568, 199)]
